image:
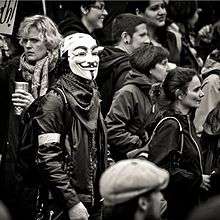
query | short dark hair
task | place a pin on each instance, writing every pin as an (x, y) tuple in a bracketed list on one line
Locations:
[(181, 11), (178, 78), (125, 23), (144, 58)]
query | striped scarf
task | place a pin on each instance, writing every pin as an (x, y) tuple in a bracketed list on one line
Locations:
[(37, 74)]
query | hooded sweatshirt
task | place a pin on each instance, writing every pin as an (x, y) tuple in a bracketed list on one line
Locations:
[(113, 68)]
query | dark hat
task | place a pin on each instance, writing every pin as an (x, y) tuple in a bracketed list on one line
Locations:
[(130, 178)]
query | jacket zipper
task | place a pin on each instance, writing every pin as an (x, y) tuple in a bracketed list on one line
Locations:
[(197, 147)]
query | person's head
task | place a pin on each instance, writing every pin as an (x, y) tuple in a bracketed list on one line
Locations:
[(153, 10), (38, 35), (129, 31), (185, 12), (131, 189), (182, 86), (151, 61), (80, 51), (92, 13)]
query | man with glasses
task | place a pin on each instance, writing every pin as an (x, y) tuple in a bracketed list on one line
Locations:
[(83, 17)]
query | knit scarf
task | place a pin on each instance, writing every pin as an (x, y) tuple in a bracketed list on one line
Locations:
[(83, 98), (37, 74)]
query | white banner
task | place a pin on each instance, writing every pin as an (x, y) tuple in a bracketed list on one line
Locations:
[(7, 15)]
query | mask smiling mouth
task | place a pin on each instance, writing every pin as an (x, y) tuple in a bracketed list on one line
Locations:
[(89, 65)]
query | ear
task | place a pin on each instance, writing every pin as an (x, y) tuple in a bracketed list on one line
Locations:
[(179, 94), (143, 203), (126, 38), (84, 10)]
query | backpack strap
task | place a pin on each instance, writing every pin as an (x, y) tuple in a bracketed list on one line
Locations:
[(67, 112), (144, 152), (180, 129)]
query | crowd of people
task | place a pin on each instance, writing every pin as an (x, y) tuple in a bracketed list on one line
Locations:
[(127, 131)]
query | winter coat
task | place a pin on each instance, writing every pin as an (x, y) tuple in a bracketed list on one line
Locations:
[(10, 132), (113, 68), (128, 115), (210, 87), (182, 193), (72, 164)]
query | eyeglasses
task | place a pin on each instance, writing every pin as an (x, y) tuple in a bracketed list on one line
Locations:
[(99, 7)]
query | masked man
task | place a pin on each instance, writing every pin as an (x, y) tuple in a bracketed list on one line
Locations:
[(72, 140)]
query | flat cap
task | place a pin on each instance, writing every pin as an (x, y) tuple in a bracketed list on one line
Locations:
[(129, 178)]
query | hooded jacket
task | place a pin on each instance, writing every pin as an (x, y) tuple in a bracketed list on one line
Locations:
[(114, 66), (128, 115), (73, 163), (210, 87)]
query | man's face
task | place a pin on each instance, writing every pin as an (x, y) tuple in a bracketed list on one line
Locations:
[(83, 57), (34, 45), (156, 13), (140, 36), (96, 15)]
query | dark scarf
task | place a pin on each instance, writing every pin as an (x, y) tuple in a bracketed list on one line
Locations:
[(83, 99)]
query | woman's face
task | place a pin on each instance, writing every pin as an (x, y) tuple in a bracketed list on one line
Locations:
[(194, 94), (156, 13), (159, 72), (34, 45)]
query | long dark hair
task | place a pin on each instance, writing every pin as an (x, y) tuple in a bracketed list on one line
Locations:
[(178, 79)]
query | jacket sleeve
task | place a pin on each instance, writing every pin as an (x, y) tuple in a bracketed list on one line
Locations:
[(118, 120), (50, 126), (166, 140)]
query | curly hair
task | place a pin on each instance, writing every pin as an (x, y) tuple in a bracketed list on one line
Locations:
[(44, 25)]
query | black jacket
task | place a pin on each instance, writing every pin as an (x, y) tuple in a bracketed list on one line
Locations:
[(185, 179), (10, 132), (128, 115), (72, 166), (113, 68)]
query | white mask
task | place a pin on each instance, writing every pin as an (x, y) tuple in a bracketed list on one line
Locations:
[(82, 55)]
